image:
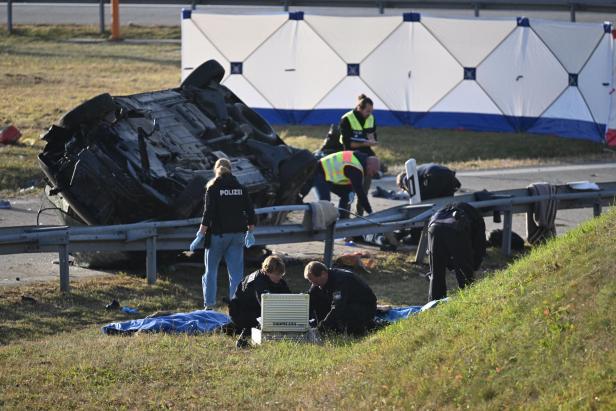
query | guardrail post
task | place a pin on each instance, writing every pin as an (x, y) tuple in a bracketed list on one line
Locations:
[(381, 7), (286, 5), (9, 16), (328, 253), (507, 226), (64, 267), (101, 16), (193, 5), (476, 8), (150, 260), (596, 209), (422, 247), (572, 12)]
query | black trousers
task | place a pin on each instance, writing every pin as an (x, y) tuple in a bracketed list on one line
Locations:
[(449, 248), (353, 318), (242, 318)]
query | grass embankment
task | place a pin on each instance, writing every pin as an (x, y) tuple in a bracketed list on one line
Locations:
[(539, 334), (42, 75)]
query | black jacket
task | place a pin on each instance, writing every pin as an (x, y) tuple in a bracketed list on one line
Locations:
[(346, 294), (245, 306), (464, 217), (348, 135), (228, 208)]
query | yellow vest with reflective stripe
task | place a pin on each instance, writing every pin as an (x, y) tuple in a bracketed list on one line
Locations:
[(333, 166), (355, 125)]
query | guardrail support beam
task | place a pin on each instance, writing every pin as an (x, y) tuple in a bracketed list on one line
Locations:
[(507, 227), (9, 16), (328, 253), (64, 268), (596, 209), (150, 260), (101, 16)]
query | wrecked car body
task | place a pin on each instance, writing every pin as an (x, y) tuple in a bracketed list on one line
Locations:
[(148, 156)]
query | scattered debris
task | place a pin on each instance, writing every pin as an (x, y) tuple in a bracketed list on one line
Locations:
[(380, 192), (28, 299), (5, 204), (129, 310), (113, 305), (9, 135), (357, 260)]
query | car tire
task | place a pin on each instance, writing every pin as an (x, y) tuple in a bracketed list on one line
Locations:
[(203, 75), (88, 112), (262, 130)]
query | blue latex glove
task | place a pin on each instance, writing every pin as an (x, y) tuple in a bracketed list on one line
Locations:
[(197, 241), (249, 241)]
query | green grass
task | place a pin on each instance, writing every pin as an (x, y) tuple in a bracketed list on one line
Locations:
[(537, 335), (43, 75)]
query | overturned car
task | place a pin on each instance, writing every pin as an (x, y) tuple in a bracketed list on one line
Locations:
[(115, 160)]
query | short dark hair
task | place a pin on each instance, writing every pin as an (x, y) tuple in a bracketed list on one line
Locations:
[(314, 268), (363, 101)]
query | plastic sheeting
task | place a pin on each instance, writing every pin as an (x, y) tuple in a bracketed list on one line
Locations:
[(196, 322), (480, 74)]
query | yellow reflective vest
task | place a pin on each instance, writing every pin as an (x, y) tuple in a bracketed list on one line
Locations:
[(333, 166), (356, 126)]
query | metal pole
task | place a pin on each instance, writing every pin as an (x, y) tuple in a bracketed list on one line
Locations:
[(476, 7), (286, 5), (507, 225), (101, 16), (115, 20), (9, 16), (150, 260), (381, 7), (572, 11), (596, 209), (328, 253), (422, 247), (193, 5), (64, 275)]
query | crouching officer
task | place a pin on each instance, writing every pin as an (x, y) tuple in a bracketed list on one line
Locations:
[(343, 173), (456, 240), (245, 306), (340, 301)]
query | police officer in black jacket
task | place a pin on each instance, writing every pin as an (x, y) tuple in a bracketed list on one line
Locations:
[(227, 215), (456, 240), (340, 301), (245, 306)]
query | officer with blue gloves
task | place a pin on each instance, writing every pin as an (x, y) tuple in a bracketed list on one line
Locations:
[(228, 215)]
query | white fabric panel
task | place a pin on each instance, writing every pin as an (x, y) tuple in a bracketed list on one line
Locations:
[(467, 97), (196, 49), (345, 95), (570, 105), (353, 38), (595, 80), (572, 43), (522, 76), (469, 40), (246, 92), (410, 70), (236, 36), (294, 68)]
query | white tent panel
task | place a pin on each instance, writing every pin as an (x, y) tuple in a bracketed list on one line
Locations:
[(571, 43), (410, 70), (469, 40), (294, 68), (238, 35), (345, 95), (196, 49), (246, 92), (353, 38), (595, 80), (467, 97), (570, 105), (522, 76)]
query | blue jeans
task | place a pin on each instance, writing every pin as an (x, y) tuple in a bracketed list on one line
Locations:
[(229, 246)]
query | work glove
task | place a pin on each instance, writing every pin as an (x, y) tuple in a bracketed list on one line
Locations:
[(197, 241), (249, 241)]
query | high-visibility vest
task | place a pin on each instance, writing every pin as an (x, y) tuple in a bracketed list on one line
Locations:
[(356, 126), (333, 166)]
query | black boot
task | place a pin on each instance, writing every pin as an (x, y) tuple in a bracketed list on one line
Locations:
[(243, 340)]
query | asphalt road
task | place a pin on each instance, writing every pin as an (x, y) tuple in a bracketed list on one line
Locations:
[(157, 14), (40, 267)]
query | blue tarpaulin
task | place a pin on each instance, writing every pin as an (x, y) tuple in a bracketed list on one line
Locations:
[(400, 313), (196, 322)]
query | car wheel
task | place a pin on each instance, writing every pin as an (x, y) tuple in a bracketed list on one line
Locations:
[(200, 77), (262, 131), (88, 112)]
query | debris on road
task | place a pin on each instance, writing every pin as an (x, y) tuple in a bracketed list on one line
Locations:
[(9, 135)]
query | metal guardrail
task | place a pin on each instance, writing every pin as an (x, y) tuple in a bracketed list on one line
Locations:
[(177, 235)]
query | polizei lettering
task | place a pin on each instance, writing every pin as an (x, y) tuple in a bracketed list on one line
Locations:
[(234, 192)]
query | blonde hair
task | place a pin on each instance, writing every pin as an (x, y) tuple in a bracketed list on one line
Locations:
[(222, 166), (273, 264)]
